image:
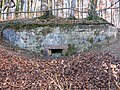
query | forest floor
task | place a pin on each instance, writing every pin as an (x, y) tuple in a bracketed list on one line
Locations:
[(85, 71)]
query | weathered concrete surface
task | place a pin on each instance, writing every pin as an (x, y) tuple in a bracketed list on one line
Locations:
[(113, 47), (77, 38)]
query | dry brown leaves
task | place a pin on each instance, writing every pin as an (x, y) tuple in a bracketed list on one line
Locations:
[(87, 71)]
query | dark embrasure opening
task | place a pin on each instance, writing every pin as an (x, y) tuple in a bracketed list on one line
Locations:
[(53, 51)]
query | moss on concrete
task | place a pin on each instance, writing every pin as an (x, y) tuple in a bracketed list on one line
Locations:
[(71, 50)]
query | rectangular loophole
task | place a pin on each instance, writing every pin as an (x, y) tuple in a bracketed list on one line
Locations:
[(53, 51)]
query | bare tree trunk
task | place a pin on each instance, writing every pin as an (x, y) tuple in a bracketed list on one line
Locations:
[(34, 8), (8, 9), (92, 12), (106, 9), (41, 7), (99, 7), (78, 8), (1, 9), (57, 7), (28, 7), (82, 9), (3, 2), (17, 8), (111, 13), (62, 7), (48, 4), (54, 7), (72, 8), (119, 13), (21, 7)]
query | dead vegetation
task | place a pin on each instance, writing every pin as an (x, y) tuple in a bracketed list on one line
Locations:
[(87, 71)]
